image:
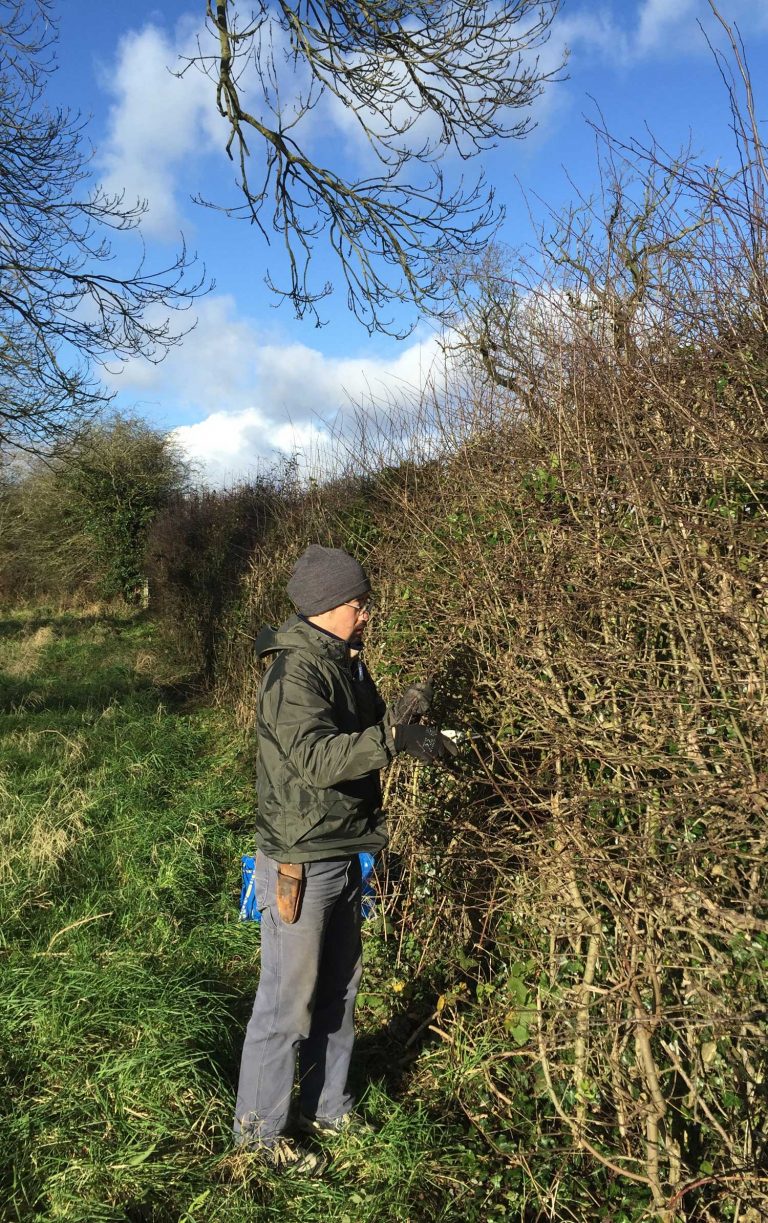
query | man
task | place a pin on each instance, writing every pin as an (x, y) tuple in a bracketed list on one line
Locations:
[(323, 734)]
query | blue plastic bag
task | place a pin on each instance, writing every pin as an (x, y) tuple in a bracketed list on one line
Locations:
[(248, 907), (368, 890), (249, 910)]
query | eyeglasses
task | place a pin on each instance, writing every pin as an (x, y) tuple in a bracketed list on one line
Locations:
[(361, 611)]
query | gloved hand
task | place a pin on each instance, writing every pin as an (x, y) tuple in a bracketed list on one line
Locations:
[(411, 704), (425, 743)]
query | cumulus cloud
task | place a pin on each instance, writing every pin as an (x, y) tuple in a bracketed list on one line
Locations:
[(250, 397), (227, 447), (157, 123), (422, 129), (161, 125), (211, 366)]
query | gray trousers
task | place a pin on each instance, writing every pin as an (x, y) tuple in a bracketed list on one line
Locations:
[(305, 1001)]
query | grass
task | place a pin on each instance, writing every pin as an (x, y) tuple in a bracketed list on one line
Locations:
[(127, 980)]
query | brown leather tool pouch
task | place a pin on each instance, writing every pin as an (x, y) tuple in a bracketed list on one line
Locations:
[(290, 889)]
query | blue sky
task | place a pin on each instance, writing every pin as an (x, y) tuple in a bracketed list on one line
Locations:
[(251, 380)]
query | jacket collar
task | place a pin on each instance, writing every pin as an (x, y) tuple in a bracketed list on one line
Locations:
[(324, 631), (298, 634)]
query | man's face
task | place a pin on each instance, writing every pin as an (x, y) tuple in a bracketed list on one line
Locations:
[(347, 621), (358, 613), (351, 619)]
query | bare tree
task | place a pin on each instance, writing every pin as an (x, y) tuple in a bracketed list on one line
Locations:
[(65, 305), (419, 81)]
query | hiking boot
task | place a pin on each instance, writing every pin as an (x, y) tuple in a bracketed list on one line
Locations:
[(331, 1127), (285, 1155)]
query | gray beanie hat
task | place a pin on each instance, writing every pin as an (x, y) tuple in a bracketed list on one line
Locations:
[(323, 578)]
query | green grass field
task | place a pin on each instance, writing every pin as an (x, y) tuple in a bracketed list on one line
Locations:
[(127, 980)]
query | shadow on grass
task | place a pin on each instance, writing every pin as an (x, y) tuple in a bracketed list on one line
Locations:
[(39, 695), (90, 674), (389, 1055), (35, 698), (66, 624)]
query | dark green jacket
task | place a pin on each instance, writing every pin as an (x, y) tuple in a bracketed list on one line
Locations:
[(321, 743)]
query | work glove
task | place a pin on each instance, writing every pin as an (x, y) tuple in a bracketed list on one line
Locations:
[(411, 705), (425, 743)]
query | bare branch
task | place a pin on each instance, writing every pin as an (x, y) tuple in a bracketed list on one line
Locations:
[(65, 307), (420, 81)]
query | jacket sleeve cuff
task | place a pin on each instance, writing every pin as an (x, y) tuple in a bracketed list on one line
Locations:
[(388, 727)]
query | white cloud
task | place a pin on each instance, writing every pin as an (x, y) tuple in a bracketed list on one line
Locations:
[(229, 446), (355, 123), (161, 124), (652, 29), (254, 397), (660, 20), (211, 366), (595, 32), (157, 124), (401, 106)]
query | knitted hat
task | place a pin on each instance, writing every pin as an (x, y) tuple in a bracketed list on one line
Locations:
[(323, 578)]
